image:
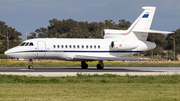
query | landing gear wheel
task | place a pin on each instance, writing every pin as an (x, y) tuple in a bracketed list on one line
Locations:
[(99, 66), (30, 67), (30, 64), (84, 65)]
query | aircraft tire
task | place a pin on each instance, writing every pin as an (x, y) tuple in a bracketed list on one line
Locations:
[(30, 67), (84, 66), (99, 66)]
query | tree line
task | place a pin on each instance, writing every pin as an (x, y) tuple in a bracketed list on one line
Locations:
[(8, 36), (70, 28), (74, 29)]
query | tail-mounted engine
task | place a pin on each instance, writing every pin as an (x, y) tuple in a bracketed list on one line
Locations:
[(123, 45), (110, 33)]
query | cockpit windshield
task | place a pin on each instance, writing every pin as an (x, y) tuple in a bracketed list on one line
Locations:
[(26, 44), (22, 44), (31, 44)]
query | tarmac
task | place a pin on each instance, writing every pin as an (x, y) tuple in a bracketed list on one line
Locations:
[(72, 71)]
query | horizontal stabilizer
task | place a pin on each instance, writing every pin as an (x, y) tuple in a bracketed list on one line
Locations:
[(152, 31), (94, 58)]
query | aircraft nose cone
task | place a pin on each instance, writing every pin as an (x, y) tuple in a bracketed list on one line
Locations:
[(6, 52)]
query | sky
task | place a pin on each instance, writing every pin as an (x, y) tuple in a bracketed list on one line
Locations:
[(29, 15)]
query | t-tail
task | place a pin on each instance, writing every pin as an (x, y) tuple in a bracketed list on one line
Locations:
[(138, 30)]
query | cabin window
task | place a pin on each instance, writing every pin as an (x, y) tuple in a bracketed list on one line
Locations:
[(86, 46), (82, 46), (91, 46), (77, 46), (57, 46), (94, 46), (66, 46), (74, 46), (22, 44), (31, 44), (54, 46), (62, 46), (69, 46), (99, 46), (27, 44)]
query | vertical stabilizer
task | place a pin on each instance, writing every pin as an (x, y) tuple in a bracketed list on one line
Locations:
[(143, 22), (138, 30)]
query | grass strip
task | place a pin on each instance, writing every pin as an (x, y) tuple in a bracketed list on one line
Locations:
[(90, 92), (90, 79), (94, 63), (90, 87)]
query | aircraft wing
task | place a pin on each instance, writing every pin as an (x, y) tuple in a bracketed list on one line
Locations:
[(153, 31), (94, 58)]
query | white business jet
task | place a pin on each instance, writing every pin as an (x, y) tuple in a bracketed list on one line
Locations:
[(115, 46)]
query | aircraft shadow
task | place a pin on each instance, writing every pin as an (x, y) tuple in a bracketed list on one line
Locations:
[(72, 69)]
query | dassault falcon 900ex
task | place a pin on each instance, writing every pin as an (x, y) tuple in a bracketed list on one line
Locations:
[(115, 45)]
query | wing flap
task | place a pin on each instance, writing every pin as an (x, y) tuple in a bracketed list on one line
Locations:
[(94, 58)]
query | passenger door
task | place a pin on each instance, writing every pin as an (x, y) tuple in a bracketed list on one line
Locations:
[(41, 49)]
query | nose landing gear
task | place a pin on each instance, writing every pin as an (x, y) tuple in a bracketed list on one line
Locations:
[(30, 64)]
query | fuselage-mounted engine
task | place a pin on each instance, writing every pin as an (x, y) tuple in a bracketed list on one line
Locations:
[(123, 45), (110, 33)]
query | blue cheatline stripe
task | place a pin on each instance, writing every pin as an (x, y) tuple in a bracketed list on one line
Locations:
[(68, 51), (100, 51)]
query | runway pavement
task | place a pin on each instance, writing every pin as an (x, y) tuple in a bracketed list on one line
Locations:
[(72, 71)]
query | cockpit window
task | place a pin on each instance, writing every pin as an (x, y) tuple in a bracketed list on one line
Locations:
[(22, 44), (27, 44), (31, 44)]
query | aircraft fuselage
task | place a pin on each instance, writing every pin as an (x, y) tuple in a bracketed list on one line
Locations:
[(66, 49)]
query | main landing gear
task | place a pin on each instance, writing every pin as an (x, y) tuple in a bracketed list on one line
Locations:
[(30, 64), (100, 65), (84, 65)]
